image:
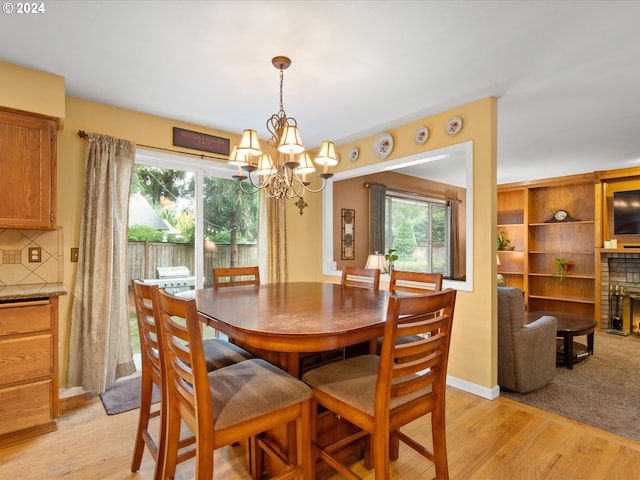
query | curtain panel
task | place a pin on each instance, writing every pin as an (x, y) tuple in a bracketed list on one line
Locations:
[(100, 347), (454, 238), (377, 202), (276, 239)]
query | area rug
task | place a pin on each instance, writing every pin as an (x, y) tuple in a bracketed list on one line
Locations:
[(124, 395), (602, 391)]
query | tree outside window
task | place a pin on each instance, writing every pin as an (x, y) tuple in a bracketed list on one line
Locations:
[(418, 230)]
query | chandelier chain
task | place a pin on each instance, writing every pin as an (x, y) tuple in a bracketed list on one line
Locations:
[(281, 85)]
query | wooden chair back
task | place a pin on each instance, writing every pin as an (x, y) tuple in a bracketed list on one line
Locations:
[(191, 397), (236, 276), (151, 374), (414, 282), (149, 343), (427, 319), (410, 383), (184, 356), (361, 277)]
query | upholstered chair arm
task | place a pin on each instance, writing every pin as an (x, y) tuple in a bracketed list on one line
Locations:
[(535, 353)]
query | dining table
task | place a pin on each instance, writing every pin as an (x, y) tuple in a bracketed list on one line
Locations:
[(282, 322), (285, 323)]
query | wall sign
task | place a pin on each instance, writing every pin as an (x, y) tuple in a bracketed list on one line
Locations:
[(200, 141), (348, 231)]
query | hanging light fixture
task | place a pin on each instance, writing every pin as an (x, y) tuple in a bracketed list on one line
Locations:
[(286, 175)]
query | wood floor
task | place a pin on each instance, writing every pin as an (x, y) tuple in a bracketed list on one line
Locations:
[(494, 440)]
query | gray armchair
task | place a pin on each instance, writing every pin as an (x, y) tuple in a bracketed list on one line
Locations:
[(526, 352)]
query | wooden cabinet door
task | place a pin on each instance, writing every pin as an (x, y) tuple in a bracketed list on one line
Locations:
[(27, 170)]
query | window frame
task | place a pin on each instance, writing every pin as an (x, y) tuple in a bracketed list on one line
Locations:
[(429, 202), (201, 168)]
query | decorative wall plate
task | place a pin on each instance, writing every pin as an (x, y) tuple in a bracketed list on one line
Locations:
[(421, 135), (453, 126), (383, 145), (354, 153)]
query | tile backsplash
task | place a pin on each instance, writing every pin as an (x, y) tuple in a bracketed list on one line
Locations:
[(15, 268)]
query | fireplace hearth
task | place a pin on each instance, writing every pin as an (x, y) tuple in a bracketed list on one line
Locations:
[(620, 293)]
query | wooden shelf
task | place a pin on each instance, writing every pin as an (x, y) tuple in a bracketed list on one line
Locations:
[(541, 242), (618, 250), (558, 252), (587, 301), (548, 224), (586, 277)]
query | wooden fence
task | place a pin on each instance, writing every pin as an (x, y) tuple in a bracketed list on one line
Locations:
[(144, 257)]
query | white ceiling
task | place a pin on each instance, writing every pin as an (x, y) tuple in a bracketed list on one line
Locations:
[(566, 73)]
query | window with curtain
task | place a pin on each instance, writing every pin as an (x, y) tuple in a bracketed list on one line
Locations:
[(419, 229)]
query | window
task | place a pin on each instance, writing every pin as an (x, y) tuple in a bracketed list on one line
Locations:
[(187, 212), (204, 209), (418, 229), (230, 226)]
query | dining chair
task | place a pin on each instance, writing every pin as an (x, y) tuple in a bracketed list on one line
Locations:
[(414, 282), (237, 276), (380, 394), (361, 277), (351, 277), (239, 401), (218, 353)]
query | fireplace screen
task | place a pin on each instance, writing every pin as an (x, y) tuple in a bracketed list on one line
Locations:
[(634, 311)]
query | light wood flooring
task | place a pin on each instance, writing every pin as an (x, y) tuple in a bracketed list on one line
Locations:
[(494, 440)]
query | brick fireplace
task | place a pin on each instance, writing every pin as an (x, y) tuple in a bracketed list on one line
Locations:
[(620, 286)]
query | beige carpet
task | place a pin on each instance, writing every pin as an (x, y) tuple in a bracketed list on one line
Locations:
[(602, 391)]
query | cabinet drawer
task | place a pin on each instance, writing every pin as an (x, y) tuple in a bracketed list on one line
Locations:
[(16, 318), (25, 406), (24, 359)]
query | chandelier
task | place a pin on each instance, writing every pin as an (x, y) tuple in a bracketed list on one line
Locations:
[(286, 176)]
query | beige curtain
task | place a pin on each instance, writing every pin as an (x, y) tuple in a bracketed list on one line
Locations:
[(100, 348), (276, 242), (454, 239)]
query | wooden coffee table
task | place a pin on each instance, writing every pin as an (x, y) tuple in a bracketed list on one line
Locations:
[(569, 327)]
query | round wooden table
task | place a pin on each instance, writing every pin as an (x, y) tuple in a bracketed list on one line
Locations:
[(285, 320), (569, 327)]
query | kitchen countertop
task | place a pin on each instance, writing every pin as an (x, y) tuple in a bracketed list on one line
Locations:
[(36, 290)]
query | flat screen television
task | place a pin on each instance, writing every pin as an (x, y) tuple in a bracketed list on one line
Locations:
[(626, 212)]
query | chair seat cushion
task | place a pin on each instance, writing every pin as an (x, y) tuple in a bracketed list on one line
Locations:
[(252, 388), (353, 381), (220, 353)]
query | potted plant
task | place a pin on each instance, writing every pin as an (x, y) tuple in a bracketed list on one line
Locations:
[(503, 242), (391, 257), (562, 265)]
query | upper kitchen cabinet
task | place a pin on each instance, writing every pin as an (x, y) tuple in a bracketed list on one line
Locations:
[(27, 170)]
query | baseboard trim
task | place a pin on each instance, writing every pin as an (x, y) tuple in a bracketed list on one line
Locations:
[(71, 392), (484, 392)]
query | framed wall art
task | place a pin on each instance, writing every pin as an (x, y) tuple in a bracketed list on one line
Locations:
[(348, 232)]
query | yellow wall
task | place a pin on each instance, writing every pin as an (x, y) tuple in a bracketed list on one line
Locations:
[(473, 358), (32, 91), (473, 361)]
